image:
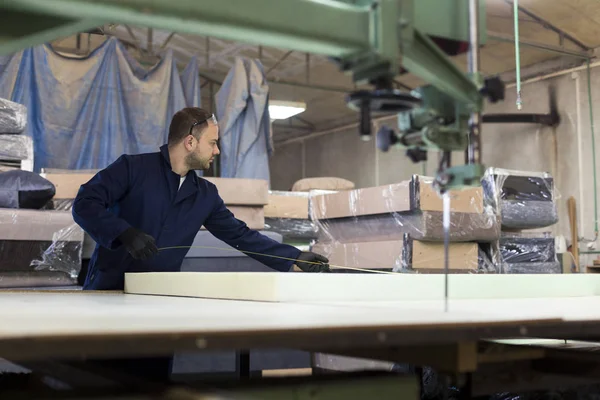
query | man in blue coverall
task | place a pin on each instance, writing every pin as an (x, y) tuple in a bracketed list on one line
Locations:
[(142, 203)]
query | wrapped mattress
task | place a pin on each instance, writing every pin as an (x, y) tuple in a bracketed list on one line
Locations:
[(391, 211), (526, 253), (522, 199)]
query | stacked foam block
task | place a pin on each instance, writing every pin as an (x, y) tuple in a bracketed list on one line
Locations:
[(526, 204), (399, 227), (245, 198), (16, 149), (37, 248), (287, 213)]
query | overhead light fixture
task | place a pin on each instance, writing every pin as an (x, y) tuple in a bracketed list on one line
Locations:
[(285, 109)]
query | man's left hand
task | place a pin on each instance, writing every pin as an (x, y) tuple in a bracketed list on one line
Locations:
[(312, 262)]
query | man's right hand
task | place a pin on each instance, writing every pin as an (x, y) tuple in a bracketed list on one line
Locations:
[(140, 245)]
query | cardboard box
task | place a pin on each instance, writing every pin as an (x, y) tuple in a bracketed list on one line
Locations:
[(38, 225), (406, 255), (429, 257), (254, 217), (417, 194), (292, 205), (245, 192), (233, 191), (67, 185), (384, 255)]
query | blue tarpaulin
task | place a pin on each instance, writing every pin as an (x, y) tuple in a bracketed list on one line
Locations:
[(83, 113), (245, 127)]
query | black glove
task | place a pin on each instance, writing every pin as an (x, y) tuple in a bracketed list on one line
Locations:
[(140, 245), (311, 262)]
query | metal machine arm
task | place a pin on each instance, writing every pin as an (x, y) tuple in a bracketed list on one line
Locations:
[(370, 39), (367, 37)]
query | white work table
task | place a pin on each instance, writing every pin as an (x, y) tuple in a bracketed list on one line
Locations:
[(67, 323)]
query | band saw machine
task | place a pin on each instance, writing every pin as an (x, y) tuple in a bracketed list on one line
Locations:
[(373, 41)]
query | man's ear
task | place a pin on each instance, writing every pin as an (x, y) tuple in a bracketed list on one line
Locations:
[(189, 142)]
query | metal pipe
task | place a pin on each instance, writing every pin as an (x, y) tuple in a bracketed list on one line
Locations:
[(474, 148), (211, 95), (307, 68), (134, 38), (166, 42), (149, 40), (329, 131), (544, 119), (473, 36), (550, 26), (276, 81), (282, 59), (207, 55), (536, 45), (305, 122)]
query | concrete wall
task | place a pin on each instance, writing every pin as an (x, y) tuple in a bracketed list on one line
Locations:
[(341, 154), (565, 152)]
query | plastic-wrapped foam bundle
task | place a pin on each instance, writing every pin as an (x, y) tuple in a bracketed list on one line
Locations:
[(522, 199), (399, 228), (13, 117)]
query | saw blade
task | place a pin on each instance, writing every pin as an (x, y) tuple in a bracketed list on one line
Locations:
[(446, 225)]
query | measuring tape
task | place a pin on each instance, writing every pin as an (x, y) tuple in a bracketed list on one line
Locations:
[(280, 257)]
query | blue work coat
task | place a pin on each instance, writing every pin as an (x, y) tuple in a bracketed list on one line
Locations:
[(141, 191)]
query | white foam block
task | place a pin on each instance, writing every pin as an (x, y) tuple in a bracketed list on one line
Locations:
[(297, 287)]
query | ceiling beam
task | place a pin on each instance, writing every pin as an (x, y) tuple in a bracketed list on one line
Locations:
[(282, 59), (290, 125), (275, 81), (167, 40), (149, 41), (501, 37), (305, 122), (548, 25), (136, 41)]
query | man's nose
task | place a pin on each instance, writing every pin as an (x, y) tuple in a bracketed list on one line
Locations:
[(216, 151)]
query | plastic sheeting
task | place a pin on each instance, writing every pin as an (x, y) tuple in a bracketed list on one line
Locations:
[(421, 225), (13, 117), (45, 242), (523, 200), (16, 147), (389, 212), (287, 213), (527, 253), (406, 256), (292, 229), (16, 152), (85, 113), (245, 127), (399, 228)]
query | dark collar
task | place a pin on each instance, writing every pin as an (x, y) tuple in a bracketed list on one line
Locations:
[(164, 151)]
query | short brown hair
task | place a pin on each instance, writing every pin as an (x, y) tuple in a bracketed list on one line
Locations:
[(183, 121)]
